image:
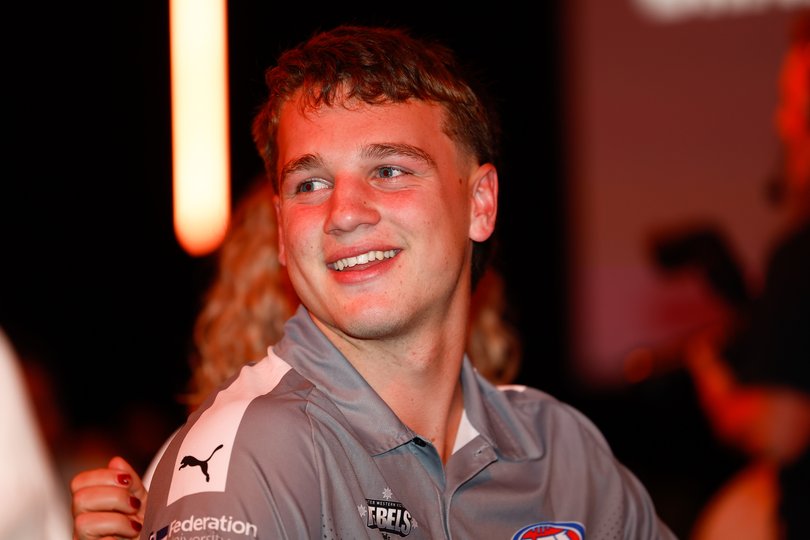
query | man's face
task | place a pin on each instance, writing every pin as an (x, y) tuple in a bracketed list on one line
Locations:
[(376, 210)]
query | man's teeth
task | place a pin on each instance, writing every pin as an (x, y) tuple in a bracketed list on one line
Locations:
[(348, 262)]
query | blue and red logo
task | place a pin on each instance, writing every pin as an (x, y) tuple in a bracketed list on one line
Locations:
[(568, 530)]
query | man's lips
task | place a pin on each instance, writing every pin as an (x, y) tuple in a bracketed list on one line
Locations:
[(363, 258)]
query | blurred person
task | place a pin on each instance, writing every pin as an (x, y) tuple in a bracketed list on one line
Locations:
[(757, 391), (494, 346), (381, 158), (248, 301), (244, 310), (33, 500), (72, 445), (751, 369), (700, 267)]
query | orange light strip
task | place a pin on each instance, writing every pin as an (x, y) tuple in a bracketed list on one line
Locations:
[(200, 123)]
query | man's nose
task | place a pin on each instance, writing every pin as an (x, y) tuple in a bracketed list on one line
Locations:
[(352, 204)]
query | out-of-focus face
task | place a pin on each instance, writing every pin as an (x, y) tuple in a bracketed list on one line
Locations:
[(377, 208), (793, 116)]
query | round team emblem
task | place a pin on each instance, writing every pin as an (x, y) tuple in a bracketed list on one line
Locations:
[(551, 530)]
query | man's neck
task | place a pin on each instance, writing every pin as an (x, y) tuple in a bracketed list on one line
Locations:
[(419, 378), (429, 401)]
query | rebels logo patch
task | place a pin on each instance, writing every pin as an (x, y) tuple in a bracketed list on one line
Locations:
[(387, 516), (551, 530)]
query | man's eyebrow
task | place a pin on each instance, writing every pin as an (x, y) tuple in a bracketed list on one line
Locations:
[(305, 162), (384, 150)]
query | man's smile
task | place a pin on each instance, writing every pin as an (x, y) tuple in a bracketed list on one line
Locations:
[(363, 258)]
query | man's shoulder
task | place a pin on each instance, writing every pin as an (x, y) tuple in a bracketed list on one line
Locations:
[(267, 391), (545, 413), (527, 398), (260, 416)]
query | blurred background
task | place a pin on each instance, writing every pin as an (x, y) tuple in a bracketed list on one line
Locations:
[(621, 119)]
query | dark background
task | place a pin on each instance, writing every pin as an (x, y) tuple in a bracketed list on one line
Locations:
[(93, 280), (94, 285)]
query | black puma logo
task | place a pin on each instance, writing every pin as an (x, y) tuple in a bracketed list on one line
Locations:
[(191, 461)]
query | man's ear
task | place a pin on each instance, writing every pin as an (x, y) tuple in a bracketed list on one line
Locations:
[(484, 207), (282, 254)]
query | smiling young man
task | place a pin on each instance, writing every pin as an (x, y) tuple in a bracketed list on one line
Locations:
[(377, 207), (367, 419)]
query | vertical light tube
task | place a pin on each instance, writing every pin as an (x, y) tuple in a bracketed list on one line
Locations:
[(200, 123)]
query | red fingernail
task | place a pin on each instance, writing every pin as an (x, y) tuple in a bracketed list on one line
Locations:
[(124, 479), (135, 502), (135, 525)]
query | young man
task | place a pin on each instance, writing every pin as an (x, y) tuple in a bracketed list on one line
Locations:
[(367, 420)]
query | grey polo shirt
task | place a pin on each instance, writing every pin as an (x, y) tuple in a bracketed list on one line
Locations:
[(299, 446)]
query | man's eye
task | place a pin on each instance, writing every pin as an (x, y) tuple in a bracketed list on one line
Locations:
[(308, 186), (389, 172)]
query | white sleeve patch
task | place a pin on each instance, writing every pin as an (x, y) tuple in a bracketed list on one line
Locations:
[(205, 453)]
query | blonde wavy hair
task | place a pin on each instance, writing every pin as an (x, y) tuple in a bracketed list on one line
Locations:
[(249, 300)]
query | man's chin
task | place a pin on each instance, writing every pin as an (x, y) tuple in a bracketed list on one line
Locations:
[(365, 323)]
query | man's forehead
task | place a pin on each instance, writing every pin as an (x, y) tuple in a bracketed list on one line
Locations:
[(310, 135)]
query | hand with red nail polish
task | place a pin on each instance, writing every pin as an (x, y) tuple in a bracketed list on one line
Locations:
[(108, 502)]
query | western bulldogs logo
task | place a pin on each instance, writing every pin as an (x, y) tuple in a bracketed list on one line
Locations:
[(551, 530)]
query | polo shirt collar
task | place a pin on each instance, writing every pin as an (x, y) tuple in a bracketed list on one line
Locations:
[(311, 354)]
